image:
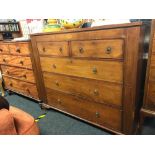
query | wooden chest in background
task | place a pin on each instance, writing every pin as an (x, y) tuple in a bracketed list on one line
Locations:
[(148, 109), (92, 74), (17, 68)]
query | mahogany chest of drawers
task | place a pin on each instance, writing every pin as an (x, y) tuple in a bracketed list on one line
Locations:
[(17, 68), (92, 73), (148, 108)]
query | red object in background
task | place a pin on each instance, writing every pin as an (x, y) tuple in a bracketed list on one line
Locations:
[(30, 20)]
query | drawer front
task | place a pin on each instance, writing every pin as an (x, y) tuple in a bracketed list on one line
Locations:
[(98, 91), (19, 73), (18, 61), (93, 112), (4, 48), (53, 48), (153, 46), (152, 74), (22, 87), (103, 70), (19, 48), (98, 48), (151, 95), (152, 63)]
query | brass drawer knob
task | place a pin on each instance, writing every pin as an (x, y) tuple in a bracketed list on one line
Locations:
[(57, 83), (4, 60), (21, 62), (27, 90), (97, 114), (54, 66), (18, 49), (10, 84), (44, 49), (81, 50), (1, 50), (108, 50), (59, 101), (96, 92), (25, 76), (60, 49), (94, 70)]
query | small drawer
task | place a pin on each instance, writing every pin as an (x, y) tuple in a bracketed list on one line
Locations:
[(93, 90), (96, 113), (4, 48), (53, 48), (111, 71), (20, 48), (21, 87), (19, 73), (98, 49)]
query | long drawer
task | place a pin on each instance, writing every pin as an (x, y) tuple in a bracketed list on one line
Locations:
[(20, 48), (53, 48), (19, 73), (111, 71), (96, 113), (22, 87), (96, 90), (98, 48), (19, 61)]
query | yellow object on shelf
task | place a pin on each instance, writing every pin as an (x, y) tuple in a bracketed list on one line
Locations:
[(52, 21), (71, 23), (52, 26)]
